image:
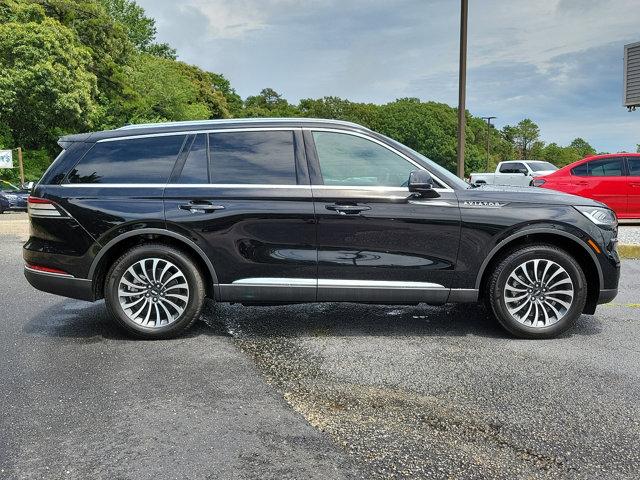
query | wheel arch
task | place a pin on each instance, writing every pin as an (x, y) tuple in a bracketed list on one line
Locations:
[(585, 257), (118, 245)]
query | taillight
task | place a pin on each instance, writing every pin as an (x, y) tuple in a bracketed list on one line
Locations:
[(41, 207), (538, 182)]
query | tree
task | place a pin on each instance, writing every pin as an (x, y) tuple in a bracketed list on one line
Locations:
[(46, 87), (140, 29), (582, 147), (268, 103), (523, 136), (207, 89), (161, 91), (638, 149), (560, 156)]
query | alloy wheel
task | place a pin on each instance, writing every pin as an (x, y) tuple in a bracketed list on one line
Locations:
[(153, 292), (538, 293)]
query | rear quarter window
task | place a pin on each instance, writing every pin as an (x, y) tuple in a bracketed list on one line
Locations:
[(136, 160)]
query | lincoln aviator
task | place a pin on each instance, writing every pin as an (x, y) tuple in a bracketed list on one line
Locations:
[(156, 218)]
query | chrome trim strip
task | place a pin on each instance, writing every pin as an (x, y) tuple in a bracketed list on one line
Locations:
[(333, 283), (433, 203), (184, 185), (384, 145), (277, 282), (195, 132), (52, 274)]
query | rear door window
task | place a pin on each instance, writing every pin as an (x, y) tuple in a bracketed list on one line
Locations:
[(260, 157), (606, 167), (137, 160)]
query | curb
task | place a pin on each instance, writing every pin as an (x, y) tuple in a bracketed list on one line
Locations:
[(629, 251)]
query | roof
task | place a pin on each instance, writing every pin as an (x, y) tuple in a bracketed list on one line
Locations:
[(196, 125)]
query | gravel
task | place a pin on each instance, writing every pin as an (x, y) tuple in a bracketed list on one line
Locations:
[(442, 392), (629, 235)]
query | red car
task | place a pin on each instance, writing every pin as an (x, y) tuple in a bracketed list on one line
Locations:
[(612, 179)]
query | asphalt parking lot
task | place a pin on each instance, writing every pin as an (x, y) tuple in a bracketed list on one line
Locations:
[(314, 391)]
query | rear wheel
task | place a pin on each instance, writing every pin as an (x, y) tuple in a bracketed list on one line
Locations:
[(154, 291), (537, 291)]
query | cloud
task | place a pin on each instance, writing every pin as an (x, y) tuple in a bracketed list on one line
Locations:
[(556, 61)]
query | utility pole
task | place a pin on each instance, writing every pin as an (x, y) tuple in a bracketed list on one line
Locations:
[(462, 85), (488, 119), (21, 166)]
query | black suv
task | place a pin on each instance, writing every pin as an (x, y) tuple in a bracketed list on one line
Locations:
[(154, 218)]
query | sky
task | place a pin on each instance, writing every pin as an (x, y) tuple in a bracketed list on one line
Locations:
[(558, 62)]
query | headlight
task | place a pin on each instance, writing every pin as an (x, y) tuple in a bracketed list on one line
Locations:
[(603, 217)]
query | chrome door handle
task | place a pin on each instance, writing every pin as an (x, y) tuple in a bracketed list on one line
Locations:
[(201, 207), (347, 209)]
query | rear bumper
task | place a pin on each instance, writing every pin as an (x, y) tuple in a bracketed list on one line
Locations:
[(64, 285)]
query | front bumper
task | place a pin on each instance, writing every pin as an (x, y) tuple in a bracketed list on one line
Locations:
[(64, 285)]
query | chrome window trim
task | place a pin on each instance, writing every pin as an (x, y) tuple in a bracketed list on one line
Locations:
[(184, 185), (195, 132), (447, 188), (262, 129)]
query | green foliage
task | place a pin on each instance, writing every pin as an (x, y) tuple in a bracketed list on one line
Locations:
[(524, 137), (162, 92), (268, 103), (46, 87), (638, 149), (582, 147), (140, 29)]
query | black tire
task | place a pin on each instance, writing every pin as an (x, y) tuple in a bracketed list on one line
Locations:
[(497, 286), (195, 293)]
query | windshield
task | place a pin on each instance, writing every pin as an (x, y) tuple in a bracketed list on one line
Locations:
[(439, 170), (540, 166)]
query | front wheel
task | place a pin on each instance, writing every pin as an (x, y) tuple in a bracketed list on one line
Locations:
[(154, 291), (537, 291)]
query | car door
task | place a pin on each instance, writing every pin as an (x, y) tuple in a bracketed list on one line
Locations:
[(633, 187), (244, 196), (511, 174), (376, 242), (604, 180)]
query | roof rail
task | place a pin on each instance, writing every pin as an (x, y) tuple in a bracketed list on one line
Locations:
[(238, 120)]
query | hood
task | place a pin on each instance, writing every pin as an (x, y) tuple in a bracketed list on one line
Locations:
[(525, 195), (542, 173)]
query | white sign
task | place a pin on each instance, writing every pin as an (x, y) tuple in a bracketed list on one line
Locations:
[(6, 159)]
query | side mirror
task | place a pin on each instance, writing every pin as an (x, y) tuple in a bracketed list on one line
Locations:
[(421, 183), (523, 171), (28, 186)]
